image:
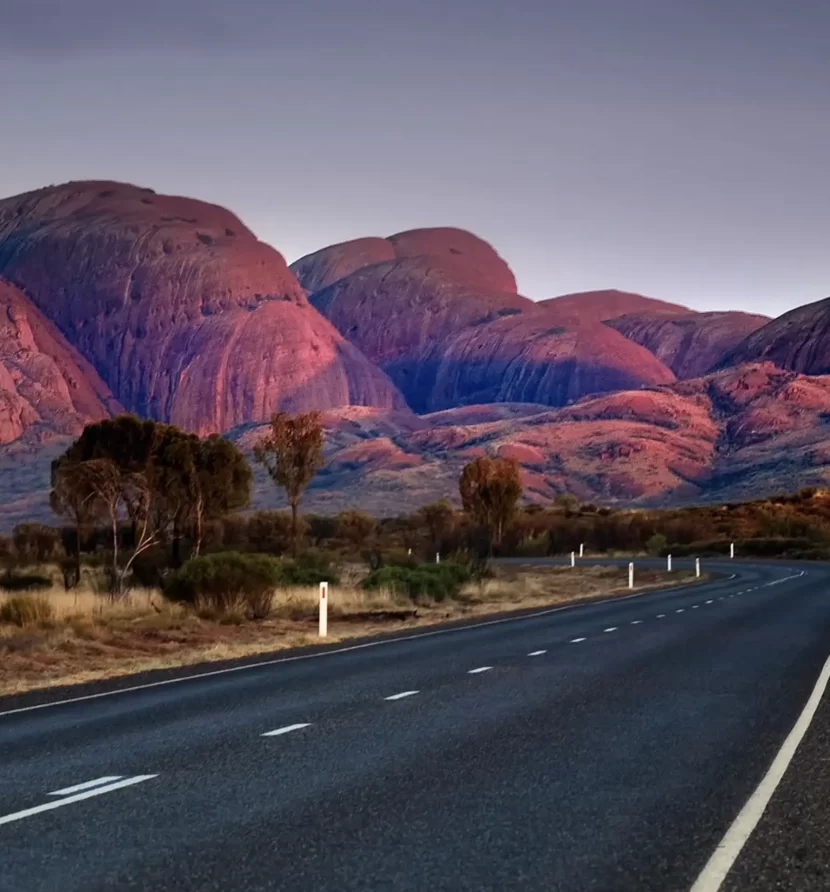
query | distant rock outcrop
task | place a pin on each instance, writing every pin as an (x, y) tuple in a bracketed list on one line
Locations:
[(690, 345), (46, 388), (798, 340), (525, 359), (465, 257), (445, 342), (183, 312), (599, 306)]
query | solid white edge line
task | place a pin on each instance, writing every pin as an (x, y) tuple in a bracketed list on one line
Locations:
[(480, 669), (86, 785), (402, 695), (79, 797), (723, 858), (286, 729), (537, 653), (261, 664)]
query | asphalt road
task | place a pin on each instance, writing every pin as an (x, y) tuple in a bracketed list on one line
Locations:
[(601, 747)]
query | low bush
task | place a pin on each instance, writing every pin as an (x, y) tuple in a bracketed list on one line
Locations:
[(773, 546), (226, 581), (26, 610), (309, 568), (24, 582), (435, 581)]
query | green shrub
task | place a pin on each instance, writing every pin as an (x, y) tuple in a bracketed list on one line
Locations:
[(225, 581), (24, 582), (656, 544), (436, 581), (26, 610), (309, 568)]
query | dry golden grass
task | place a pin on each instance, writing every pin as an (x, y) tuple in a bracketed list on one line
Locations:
[(90, 637)]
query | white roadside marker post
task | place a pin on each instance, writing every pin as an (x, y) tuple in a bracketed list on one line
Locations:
[(324, 609), (731, 550), (697, 566), (437, 557), (668, 563), (581, 549), (573, 558), (631, 575)]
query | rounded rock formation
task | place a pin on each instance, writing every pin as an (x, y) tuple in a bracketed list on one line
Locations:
[(798, 341), (464, 256), (689, 345), (46, 388), (183, 312)]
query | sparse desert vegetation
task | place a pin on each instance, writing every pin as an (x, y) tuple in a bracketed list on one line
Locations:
[(52, 636)]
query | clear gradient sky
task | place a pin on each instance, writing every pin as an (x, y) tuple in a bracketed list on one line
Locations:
[(680, 148)]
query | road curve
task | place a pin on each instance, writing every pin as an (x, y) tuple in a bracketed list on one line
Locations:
[(601, 747)]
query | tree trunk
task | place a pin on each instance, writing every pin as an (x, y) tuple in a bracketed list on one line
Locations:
[(176, 548), (115, 583), (77, 555), (200, 532), (294, 528)]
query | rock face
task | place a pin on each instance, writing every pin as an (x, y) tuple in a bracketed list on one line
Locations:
[(183, 312), (467, 258), (798, 340), (525, 359), (692, 344), (743, 432), (46, 388), (401, 315), (599, 306), (445, 342)]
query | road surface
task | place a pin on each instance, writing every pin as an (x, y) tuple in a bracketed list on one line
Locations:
[(601, 747)]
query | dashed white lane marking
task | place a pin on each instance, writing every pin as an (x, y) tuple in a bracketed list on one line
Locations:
[(537, 653), (287, 729), (708, 602), (636, 622), (695, 606), (610, 629), (78, 797), (577, 640), (661, 616), (718, 866), (480, 669), (86, 785), (402, 695), (680, 610)]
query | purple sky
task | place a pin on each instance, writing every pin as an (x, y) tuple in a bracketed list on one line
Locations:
[(673, 147)]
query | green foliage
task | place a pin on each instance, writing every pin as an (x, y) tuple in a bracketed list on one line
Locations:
[(227, 581), (308, 568), (656, 544), (26, 610), (435, 581), (13, 581), (355, 527), (36, 543)]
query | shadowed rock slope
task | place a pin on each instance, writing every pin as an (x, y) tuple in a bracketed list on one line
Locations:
[(690, 345), (445, 342), (798, 341), (47, 389)]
